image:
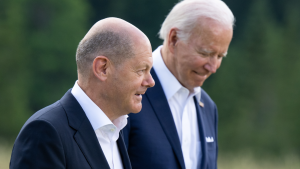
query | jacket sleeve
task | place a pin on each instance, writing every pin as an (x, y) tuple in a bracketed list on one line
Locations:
[(38, 146)]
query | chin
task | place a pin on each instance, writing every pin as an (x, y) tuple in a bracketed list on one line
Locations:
[(136, 110), (135, 106), (200, 84)]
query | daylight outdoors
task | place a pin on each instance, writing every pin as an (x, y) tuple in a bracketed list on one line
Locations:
[(256, 89)]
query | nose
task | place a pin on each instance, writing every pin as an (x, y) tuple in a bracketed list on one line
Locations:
[(212, 65), (148, 81)]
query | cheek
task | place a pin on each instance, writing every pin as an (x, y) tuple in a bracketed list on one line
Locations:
[(197, 63), (188, 62), (134, 84), (219, 64)]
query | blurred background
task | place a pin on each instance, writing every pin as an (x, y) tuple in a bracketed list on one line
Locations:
[(256, 89)]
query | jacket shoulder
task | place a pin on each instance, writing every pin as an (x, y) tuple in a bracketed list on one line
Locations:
[(53, 114)]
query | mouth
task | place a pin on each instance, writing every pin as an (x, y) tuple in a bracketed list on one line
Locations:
[(200, 74), (139, 94)]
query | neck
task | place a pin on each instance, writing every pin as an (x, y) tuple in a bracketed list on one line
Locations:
[(168, 59), (97, 95), (170, 62)]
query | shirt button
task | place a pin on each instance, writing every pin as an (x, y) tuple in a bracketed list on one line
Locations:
[(112, 130)]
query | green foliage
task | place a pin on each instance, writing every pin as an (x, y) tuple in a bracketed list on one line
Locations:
[(13, 74), (147, 15), (38, 46), (256, 89)]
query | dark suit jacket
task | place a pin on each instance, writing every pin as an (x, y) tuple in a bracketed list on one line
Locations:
[(151, 135), (60, 136)]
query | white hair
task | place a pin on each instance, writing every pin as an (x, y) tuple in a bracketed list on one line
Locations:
[(184, 16)]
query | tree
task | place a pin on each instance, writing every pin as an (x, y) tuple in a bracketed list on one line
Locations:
[(256, 89), (37, 55)]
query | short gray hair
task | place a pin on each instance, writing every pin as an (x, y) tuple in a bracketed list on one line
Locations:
[(184, 16), (115, 46)]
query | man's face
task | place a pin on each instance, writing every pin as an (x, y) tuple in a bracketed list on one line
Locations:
[(202, 54), (131, 80)]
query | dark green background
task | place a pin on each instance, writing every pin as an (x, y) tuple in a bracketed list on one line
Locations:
[(256, 88)]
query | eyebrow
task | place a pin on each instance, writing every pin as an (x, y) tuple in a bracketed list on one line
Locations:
[(209, 52), (206, 51), (145, 65)]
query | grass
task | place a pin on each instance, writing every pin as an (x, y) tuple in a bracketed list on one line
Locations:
[(226, 161), (5, 152), (249, 161)]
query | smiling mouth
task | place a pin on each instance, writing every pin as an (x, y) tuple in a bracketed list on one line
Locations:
[(199, 73)]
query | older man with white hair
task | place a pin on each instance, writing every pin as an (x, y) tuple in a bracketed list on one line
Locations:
[(177, 127)]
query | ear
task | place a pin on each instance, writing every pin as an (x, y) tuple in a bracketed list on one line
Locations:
[(172, 39), (100, 66)]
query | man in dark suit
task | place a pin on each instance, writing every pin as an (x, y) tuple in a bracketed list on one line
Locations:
[(177, 127), (83, 129)]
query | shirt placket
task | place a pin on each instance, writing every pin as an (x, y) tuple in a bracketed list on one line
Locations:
[(186, 128), (110, 132)]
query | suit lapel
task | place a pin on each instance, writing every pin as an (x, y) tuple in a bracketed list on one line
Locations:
[(123, 152), (162, 110), (200, 112), (85, 136)]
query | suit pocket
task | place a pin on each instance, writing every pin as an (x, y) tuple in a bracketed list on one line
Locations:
[(212, 155), (211, 145)]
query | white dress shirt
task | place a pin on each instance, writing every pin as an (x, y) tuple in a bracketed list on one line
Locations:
[(183, 109), (106, 131)]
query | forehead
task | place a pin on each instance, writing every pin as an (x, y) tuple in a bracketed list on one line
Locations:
[(142, 49), (210, 33), (208, 28), (140, 58)]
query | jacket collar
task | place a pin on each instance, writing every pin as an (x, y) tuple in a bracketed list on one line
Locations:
[(85, 136), (157, 97), (162, 110), (200, 111)]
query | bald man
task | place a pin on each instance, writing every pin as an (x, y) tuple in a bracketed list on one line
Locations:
[(83, 129)]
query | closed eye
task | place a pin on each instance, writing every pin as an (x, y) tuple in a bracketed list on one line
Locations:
[(141, 72), (221, 56), (205, 54)]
